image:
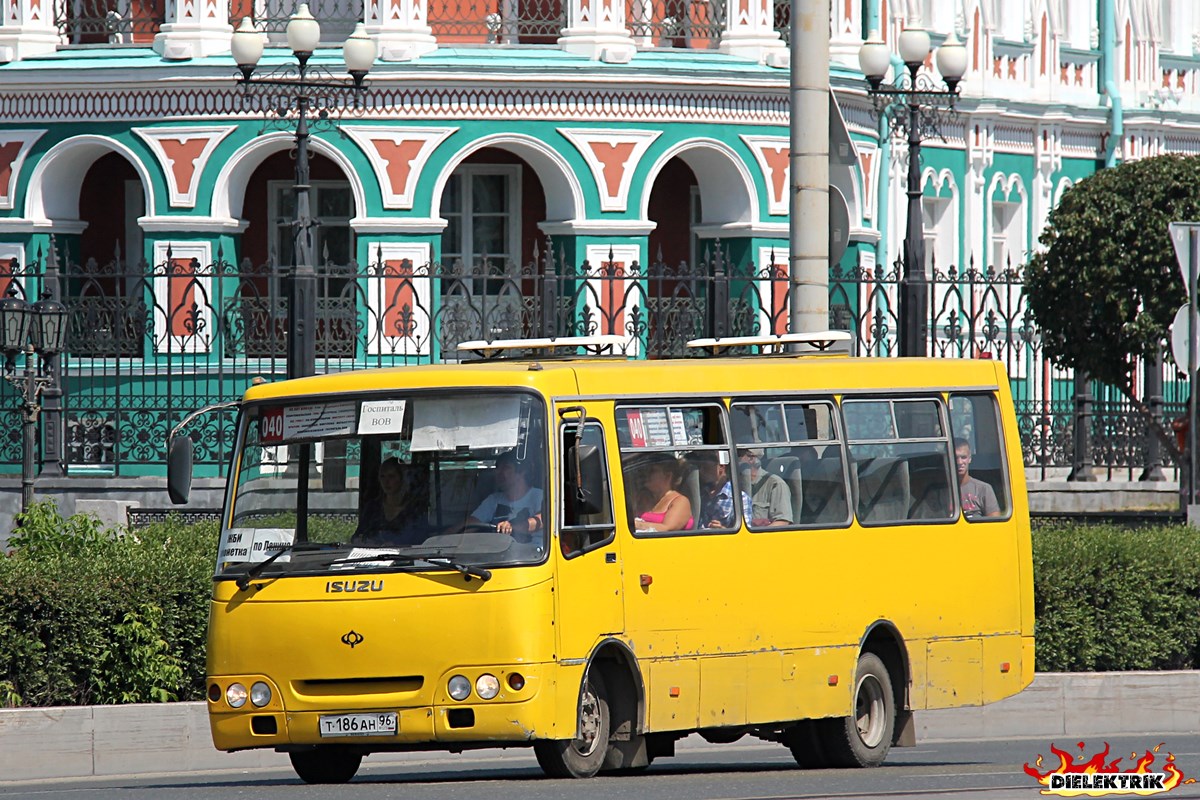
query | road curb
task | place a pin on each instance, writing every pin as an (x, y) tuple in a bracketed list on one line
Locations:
[(79, 742)]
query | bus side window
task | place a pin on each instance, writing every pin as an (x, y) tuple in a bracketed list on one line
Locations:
[(976, 419), (901, 466), (591, 528)]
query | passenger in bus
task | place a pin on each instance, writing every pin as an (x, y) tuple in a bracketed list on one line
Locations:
[(397, 515), (664, 507), (770, 496), (978, 498), (716, 491), (515, 505)]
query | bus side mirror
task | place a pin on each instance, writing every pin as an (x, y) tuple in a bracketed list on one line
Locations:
[(179, 469), (585, 483)]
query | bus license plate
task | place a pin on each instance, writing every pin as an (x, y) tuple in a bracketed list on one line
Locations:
[(383, 724)]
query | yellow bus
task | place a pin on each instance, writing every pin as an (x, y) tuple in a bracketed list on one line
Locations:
[(596, 557)]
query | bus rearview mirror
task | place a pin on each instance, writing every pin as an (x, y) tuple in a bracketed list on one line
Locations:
[(179, 469), (586, 482)]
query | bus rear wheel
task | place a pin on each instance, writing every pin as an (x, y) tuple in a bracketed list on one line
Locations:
[(582, 757), (864, 738), (326, 764)]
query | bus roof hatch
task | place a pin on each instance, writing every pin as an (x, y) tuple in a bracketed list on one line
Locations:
[(839, 342), (606, 344)]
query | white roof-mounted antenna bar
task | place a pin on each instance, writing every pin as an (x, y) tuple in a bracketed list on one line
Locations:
[(839, 342), (607, 344)]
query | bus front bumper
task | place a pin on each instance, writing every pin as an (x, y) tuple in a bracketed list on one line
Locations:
[(432, 726)]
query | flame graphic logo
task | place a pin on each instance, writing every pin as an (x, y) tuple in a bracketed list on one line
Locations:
[(1140, 780)]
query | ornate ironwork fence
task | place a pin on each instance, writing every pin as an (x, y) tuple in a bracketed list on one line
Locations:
[(150, 343)]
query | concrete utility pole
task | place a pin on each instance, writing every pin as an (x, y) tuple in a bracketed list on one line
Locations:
[(808, 223)]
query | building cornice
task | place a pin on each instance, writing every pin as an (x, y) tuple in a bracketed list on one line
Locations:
[(187, 224), (598, 227)]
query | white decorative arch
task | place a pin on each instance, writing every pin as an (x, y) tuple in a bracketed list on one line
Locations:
[(849, 180), (1003, 187), (939, 180), (63, 168), (946, 231), (229, 191), (727, 193), (564, 194), (1007, 182), (1061, 189)]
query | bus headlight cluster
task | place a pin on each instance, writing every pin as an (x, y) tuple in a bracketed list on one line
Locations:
[(487, 686), (235, 694)]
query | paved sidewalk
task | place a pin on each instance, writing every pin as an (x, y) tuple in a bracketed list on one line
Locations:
[(122, 740)]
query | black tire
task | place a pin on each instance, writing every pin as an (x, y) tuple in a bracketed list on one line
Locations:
[(583, 757), (864, 739), (326, 764), (804, 740)]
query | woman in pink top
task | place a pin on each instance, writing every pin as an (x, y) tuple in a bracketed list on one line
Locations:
[(668, 509)]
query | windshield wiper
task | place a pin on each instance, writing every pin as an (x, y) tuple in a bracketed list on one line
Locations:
[(468, 570), (243, 581)]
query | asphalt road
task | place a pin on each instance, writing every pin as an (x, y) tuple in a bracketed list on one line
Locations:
[(745, 770)]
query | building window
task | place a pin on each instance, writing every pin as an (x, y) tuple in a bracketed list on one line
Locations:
[(481, 206), (332, 203), (938, 224), (1008, 240)]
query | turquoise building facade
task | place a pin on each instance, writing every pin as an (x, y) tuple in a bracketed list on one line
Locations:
[(631, 151)]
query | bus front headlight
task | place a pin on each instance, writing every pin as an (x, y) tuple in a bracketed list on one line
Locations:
[(235, 695), (488, 686), (260, 694), (459, 687)]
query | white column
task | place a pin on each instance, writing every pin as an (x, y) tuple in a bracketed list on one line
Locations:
[(194, 29), (27, 29), (750, 32), (596, 29), (400, 28)]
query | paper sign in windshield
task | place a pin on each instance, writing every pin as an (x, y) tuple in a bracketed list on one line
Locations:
[(381, 416), (314, 421), (255, 544), (267, 541)]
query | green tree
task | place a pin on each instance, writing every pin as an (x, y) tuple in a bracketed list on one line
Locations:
[(1105, 289)]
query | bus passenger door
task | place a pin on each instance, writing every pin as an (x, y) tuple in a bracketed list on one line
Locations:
[(588, 581)]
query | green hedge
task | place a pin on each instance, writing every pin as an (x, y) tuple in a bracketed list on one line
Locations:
[(1110, 598), (95, 616), (90, 616)]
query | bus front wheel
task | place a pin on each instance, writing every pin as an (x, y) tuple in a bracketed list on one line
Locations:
[(325, 764), (864, 738), (582, 757)]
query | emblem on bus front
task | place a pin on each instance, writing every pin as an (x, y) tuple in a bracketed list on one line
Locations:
[(353, 638)]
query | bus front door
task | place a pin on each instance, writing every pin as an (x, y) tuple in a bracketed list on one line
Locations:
[(588, 585)]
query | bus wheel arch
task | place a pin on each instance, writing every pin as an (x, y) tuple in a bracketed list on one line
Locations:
[(878, 694), (627, 748), (582, 756), (884, 640)]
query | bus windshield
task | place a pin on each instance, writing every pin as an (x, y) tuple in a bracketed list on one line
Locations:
[(411, 481)]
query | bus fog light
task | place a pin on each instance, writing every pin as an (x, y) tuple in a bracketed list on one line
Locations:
[(459, 687), (214, 692), (516, 681), (488, 686), (260, 694), (235, 695)]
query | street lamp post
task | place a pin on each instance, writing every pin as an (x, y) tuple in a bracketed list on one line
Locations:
[(912, 105), (298, 88), (37, 330)]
